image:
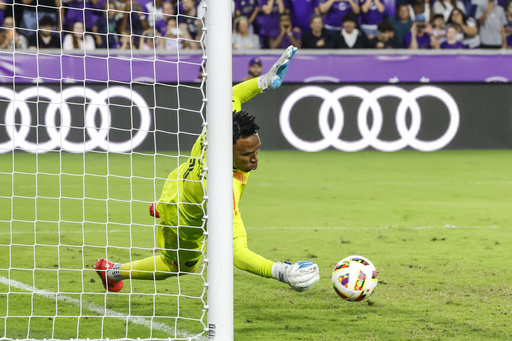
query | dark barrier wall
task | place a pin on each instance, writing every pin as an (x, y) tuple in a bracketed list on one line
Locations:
[(307, 117), (483, 113), (99, 118)]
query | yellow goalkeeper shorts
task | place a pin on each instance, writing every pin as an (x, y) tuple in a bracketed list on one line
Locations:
[(185, 254)]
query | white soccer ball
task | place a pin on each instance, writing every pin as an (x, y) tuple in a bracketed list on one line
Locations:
[(354, 278)]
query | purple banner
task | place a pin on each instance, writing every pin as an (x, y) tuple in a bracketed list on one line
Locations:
[(306, 67)]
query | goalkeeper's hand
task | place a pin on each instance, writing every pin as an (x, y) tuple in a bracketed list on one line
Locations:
[(300, 276), (274, 77)]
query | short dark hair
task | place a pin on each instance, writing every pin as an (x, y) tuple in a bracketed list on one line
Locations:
[(451, 26), (314, 16), (349, 17), (437, 16), (243, 125), (284, 15), (385, 26), (46, 21), (464, 16)]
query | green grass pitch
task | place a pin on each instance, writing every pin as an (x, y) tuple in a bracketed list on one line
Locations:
[(437, 226)]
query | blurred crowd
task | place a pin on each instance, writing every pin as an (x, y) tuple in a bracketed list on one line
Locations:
[(92, 24), (174, 25)]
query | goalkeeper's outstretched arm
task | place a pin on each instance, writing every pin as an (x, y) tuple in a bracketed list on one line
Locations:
[(272, 79), (301, 275)]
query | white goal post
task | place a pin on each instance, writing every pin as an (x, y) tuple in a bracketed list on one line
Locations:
[(220, 171), (86, 145)]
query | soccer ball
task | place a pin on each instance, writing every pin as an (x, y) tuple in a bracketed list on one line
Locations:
[(354, 278)]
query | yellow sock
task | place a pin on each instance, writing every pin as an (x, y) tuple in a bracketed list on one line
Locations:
[(151, 268)]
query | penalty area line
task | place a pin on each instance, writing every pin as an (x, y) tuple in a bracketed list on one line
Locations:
[(69, 232), (447, 226), (159, 326)]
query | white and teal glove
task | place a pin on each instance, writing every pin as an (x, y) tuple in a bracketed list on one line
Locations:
[(274, 77), (299, 276)]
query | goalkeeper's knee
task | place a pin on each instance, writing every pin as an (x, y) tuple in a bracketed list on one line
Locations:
[(299, 276)]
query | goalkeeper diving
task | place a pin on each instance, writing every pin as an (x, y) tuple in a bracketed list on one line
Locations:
[(181, 207)]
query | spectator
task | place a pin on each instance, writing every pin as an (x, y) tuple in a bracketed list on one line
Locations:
[(242, 38), (2, 10), (350, 37), (77, 39), (254, 69), (451, 39), (199, 78), (420, 36), (466, 27), (106, 27), (508, 27), (9, 38), (438, 28), (151, 40), (372, 13), (172, 41), (125, 41), (287, 36), (133, 19), (334, 11), (269, 19), (187, 18), (15, 9), (184, 41), (155, 12), (420, 7), (445, 7), (44, 37), (167, 12), (492, 20), (402, 23), (30, 19), (386, 38), (301, 12), (80, 10), (249, 9), (317, 37)]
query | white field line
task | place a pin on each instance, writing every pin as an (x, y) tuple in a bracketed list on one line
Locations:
[(448, 226), (162, 327), (404, 183), (369, 227), (70, 232)]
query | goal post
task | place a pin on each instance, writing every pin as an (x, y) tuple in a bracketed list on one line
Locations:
[(220, 170)]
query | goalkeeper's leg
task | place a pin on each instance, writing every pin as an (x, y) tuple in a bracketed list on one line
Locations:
[(171, 262), (151, 268)]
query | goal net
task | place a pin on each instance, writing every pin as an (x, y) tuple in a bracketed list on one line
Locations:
[(87, 139)]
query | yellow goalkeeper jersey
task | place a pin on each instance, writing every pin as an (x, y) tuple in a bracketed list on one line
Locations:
[(182, 206)]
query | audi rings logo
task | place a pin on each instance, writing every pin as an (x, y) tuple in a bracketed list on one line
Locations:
[(369, 135), (98, 102)]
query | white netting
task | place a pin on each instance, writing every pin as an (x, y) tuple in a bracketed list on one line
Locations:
[(87, 139)]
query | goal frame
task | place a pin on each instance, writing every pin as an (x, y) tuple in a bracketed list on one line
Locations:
[(220, 178)]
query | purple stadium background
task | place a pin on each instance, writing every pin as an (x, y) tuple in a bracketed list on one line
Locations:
[(306, 67)]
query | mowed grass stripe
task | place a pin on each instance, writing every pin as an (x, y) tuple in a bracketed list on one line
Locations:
[(101, 310), (436, 225)]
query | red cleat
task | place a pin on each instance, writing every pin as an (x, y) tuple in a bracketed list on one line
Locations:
[(152, 210), (101, 267)]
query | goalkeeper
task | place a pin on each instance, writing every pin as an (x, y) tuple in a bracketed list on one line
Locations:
[(181, 207)]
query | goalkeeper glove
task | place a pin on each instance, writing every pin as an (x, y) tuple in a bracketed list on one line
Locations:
[(300, 276), (274, 77)]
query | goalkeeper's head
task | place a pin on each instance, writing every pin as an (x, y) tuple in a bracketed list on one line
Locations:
[(246, 142)]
